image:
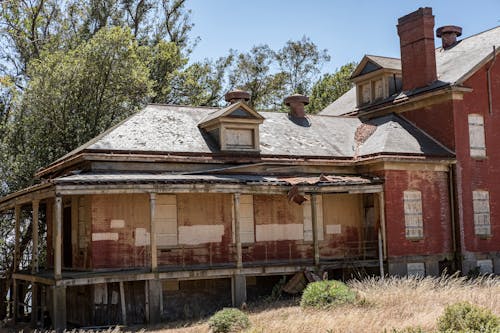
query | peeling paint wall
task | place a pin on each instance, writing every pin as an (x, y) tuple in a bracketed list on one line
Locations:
[(120, 230)]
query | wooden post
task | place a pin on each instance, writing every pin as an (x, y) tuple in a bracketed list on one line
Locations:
[(237, 235), (314, 217), (122, 302), (154, 248), (380, 254), (381, 202), (17, 216), (57, 237), (34, 304), (58, 308), (34, 259)]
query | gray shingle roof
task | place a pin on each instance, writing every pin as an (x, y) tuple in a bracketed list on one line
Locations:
[(173, 129), (453, 66)]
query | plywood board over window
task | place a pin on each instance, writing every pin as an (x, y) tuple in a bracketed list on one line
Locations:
[(414, 227), (277, 219), (476, 136), (204, 218), (308, 223), (247, 232), (481, 208), (165, 219)]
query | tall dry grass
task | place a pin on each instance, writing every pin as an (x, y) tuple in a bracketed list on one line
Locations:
[(385, 304)]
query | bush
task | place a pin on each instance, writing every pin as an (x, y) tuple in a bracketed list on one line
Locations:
[(326, 293), (228, 320), (465, 317)]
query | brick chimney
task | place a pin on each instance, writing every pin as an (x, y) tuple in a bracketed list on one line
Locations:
[(296, 104), (418, 57), (448, 35), (235, 96)]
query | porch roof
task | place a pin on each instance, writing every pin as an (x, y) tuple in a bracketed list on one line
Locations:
[(243, 179)]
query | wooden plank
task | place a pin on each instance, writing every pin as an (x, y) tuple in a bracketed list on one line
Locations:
[(152, 234), (34, 259), (57, 238), (122, 303), (314, 217), (237, 221)]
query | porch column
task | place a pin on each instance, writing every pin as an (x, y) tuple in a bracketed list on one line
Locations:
[(15, 286), (237, 236), (17, 216), (34, 237), (57, 237), (314, 217), (152, 234), (381, 203), (58, 308)]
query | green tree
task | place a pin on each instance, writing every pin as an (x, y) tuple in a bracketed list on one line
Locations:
[(253, 72), (73, 96), (330, 87), (301, 62)]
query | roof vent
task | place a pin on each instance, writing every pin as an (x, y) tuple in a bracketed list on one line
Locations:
[(448, 35), (235, 96), (296, 103)]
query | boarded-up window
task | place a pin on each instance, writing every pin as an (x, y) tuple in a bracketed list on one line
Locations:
[(378, 89), (415, 269), (247, 233), (485, 266), (239, 138), (204, 218), (413, 215), (481, 207), (476, 136), (366, 94), (277, 219), (165, 220), (308, 226)]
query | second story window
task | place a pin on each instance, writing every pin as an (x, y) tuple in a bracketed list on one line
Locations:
[(476, 136)]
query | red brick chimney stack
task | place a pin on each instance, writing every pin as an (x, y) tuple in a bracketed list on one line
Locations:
[(418, 58), (235, 96), (296, 104), (448, 35)]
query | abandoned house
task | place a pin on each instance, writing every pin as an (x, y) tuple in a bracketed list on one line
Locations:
[(181, 210)]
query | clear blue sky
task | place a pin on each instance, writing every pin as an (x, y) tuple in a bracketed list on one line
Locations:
[(347, 29)]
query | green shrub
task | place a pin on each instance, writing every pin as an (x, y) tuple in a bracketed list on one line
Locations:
[(326, 293), (228, 320), (466, 317)]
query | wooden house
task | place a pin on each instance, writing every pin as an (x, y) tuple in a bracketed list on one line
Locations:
[(180, 210)]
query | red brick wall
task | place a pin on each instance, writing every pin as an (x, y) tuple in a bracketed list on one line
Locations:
[(474, 174), (437, 120), (435, 209)]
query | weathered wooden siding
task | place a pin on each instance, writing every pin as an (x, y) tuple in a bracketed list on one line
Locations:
[(120, 230), (279, 231), (204, 227), (49, 215), (343, 222)]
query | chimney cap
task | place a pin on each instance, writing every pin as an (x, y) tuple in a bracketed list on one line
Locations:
[(296, 98), (237, 95), (449, 29)]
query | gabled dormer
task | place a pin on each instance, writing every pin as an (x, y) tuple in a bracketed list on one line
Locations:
[(376, 78), (235, 127)]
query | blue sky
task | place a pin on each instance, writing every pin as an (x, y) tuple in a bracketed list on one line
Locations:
[(347, 29)]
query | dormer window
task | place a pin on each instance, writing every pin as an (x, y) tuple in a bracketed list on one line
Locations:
[(376, 79), (234, 128)]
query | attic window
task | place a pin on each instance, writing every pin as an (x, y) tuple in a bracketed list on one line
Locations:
[(234, 128)]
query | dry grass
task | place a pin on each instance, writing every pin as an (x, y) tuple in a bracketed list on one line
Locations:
[(385, 304)]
